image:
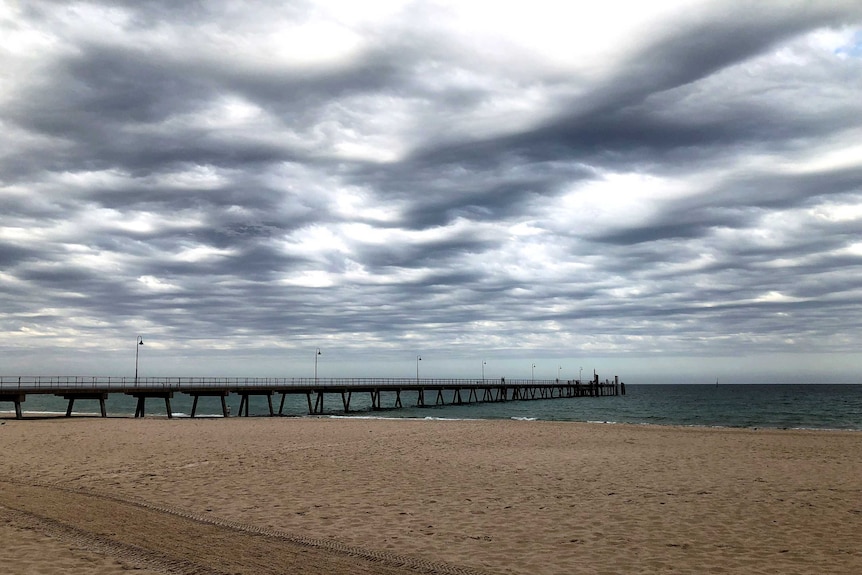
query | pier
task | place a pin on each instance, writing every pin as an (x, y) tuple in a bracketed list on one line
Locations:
[(384, 393)]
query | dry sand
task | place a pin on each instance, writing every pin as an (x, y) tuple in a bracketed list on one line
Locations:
[(314, 496)]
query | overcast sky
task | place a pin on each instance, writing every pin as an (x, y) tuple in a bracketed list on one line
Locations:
[(660, 190)]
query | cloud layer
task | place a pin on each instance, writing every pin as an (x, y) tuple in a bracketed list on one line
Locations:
[(657, 188)]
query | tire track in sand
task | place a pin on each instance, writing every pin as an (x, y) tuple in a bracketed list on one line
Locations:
[(172, 541)]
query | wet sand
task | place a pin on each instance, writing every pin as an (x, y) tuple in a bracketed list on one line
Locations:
[(278, 495)]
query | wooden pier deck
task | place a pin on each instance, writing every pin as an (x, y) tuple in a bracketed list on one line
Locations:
[(385, 393)]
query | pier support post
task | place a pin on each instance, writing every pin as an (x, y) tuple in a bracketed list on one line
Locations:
[(318, 403), (17, 399), (71, 397), (142, 396), (221, 393), (244, 401)]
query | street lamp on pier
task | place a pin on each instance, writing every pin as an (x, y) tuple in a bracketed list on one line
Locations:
[(580, 374), (559, 370), (483, 370), (533, 373), (138, 343), (317, 353), (418, 359)]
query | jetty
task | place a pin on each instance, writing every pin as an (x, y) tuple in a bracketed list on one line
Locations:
[(385, 393)]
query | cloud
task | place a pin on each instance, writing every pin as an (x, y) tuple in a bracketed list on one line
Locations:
[(639, 185)]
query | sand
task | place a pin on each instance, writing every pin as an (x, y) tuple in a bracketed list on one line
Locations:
[(314, 496)]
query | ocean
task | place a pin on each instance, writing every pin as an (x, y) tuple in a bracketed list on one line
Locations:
[(814, 406)]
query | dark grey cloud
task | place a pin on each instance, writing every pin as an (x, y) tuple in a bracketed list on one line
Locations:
[(406, 179)]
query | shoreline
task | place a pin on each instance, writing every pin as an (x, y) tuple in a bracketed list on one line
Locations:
[(48, 415), (483, 496)]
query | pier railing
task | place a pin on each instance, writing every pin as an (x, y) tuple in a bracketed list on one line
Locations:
[(74, 383)]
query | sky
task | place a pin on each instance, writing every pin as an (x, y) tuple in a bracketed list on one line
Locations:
[(664, 191)]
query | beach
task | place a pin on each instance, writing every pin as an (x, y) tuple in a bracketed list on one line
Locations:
[(357, 495)]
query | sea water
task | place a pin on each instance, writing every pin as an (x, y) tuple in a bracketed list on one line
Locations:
[(814, 406)]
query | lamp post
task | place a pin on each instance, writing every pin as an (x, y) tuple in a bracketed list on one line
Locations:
[(483, 370), (559, 369), (580, 374), (418, 359), (533, 373), (138, 343), (317, 353)]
